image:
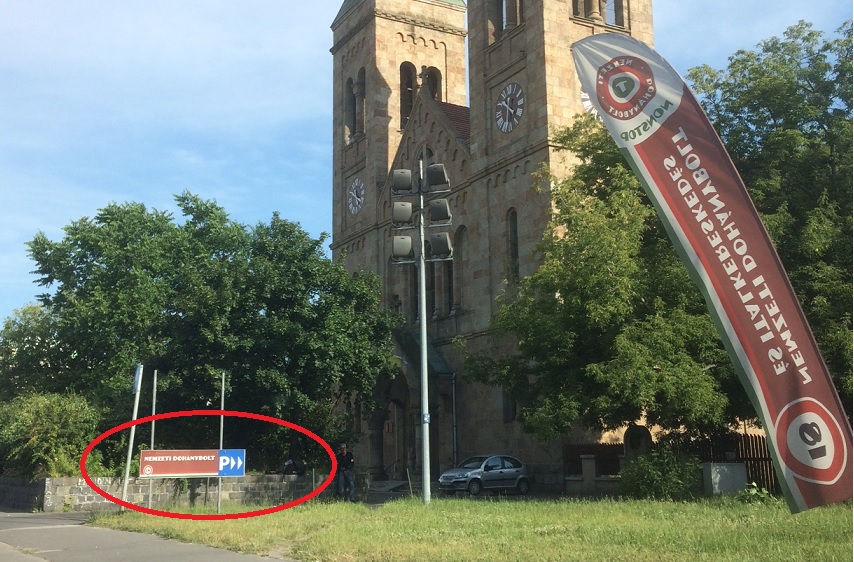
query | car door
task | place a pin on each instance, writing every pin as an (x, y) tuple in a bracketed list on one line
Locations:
[(492, 472), (512, 471)]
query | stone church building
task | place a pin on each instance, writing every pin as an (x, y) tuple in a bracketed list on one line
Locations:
[(478, 86)]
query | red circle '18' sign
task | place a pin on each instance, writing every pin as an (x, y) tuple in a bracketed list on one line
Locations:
[(811, 442), (189, 413)]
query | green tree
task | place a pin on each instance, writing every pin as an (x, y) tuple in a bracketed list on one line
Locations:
[(610, 327), (294, 332), (28, 345), (784, 113), (43, 435), (111, 276)]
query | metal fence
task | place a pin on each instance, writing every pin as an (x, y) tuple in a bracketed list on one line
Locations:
[(752, 450)]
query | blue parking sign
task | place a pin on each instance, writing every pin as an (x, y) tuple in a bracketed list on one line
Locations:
[(232, 462)]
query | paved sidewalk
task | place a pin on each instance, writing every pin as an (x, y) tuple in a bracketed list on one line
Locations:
[(63, 537)]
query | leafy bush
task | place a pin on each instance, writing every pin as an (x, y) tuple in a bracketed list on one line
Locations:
[(754, 494), (43, 435), (662, 474)]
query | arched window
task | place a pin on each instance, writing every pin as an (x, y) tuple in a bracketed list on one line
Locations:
[(512, 247), (359, 97), (457, 271), (513, 14), (432, 78), (430, 282), (503, 15), (394, 289), (448, 275), (615, 13), (612, 12), (407, 91), (349, 112)]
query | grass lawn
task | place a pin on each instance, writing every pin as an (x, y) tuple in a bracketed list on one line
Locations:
[(505, 530)]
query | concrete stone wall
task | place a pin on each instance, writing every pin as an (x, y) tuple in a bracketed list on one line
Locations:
[(74, 494)]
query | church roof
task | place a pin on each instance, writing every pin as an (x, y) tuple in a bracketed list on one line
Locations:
[(458, 115), (347, 5), (451, 118)]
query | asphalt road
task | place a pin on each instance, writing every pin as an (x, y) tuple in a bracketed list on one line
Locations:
[(64, 537)]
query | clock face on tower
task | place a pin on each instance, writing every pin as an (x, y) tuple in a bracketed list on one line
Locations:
[(509, 107), (356, 196)]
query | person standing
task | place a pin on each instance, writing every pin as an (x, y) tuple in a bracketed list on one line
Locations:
[(346, 478)]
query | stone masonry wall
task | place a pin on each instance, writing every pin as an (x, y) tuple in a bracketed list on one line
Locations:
[(74, 494)]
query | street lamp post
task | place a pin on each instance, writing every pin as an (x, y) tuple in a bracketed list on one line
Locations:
[(402, 253)]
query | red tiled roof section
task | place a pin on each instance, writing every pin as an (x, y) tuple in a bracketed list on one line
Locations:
[(458, 115)]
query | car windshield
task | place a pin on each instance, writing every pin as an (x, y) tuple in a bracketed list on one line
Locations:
[(472, 462)]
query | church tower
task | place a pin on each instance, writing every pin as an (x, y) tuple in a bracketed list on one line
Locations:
[(478, 86), (386, 53), (382, 51)]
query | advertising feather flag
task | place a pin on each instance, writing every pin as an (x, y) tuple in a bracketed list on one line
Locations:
[(669, 142)]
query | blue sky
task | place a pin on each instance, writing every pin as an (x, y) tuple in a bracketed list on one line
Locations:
[(104, 101)]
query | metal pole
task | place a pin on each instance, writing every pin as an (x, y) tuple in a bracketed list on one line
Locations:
[(221, 423), (153, 412), (454, 415), (137, 383), (422, 316)]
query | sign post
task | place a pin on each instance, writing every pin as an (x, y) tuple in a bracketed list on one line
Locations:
[(153, 412), (221, 427), (137, 384)]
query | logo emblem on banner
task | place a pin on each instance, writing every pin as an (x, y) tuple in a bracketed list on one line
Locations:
[(624, 86)]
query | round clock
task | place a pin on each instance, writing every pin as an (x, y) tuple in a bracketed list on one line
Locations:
[(356, 196), (509, 107)]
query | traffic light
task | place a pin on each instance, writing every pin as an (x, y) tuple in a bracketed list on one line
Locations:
[(401, 180), (401, 212), (437, 175), (439, 211), (401, 248), (440, 245), (403, 215)]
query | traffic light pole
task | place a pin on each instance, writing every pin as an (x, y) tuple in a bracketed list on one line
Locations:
[(422, 320), (441, 244)]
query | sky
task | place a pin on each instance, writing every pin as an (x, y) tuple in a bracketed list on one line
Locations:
[(104, 101)]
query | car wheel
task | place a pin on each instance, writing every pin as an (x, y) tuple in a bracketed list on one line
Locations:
[(523, 487), (474, 488)]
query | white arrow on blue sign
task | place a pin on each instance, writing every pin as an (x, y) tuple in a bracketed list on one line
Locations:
[(232, 462)]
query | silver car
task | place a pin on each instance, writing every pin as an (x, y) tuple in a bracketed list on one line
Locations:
[(486, 472)]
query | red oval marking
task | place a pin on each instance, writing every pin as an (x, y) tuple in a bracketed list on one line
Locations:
[(189, 413)]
